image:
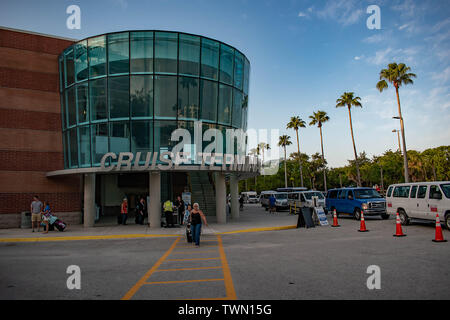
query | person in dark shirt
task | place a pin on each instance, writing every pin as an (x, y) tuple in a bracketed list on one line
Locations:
[(179, 203), (196, 217)]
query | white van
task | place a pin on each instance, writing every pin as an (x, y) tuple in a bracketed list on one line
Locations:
[(281, 199), (250, 196), (305, 198), (420, 200)]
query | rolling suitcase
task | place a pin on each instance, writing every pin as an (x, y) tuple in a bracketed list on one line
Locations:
[(59, 225), (188, 233)]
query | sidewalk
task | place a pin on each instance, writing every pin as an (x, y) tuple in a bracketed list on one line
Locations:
[(252, 219)]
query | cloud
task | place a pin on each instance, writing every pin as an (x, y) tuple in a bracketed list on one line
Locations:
[(344, 12), (403, 26), (358, 57), (301, 14), (443, 76), (388, 55), (374, 39)]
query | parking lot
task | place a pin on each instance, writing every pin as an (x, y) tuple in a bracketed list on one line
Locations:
[(316, 263)]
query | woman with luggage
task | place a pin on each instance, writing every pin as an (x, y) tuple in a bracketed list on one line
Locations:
[(196, 217), (46, 214)]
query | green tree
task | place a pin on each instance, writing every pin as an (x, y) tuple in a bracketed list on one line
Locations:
[(296, 123), (318, 118), (284, 141), (348, 100), (397, 75)]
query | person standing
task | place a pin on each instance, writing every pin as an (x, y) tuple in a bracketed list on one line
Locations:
[(124, 211), (47, 213), (180, 208), (36, 209), (168, 212), (196, 217), (141, 211), (272, 202)]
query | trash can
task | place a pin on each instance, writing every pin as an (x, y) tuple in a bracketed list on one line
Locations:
[(25, 220)]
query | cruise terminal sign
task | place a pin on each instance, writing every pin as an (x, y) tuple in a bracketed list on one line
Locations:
[(188, 154)]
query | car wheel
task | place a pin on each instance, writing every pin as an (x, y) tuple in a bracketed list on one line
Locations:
[(447, 221), (385, 216), (404, 219), (357, 214)]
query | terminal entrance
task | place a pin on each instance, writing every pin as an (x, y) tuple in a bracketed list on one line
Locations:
[(111, 189)]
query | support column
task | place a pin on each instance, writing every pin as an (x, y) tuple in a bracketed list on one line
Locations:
[(234, 191), (89, 200), (154, 212), (221, 197)]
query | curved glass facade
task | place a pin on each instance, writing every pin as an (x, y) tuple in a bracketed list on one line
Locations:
[(127, 91)]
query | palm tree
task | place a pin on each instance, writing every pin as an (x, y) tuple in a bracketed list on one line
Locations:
[(255, 152), (319, 118), (397, 74), (347, 100), (296, 123), (284, 141)]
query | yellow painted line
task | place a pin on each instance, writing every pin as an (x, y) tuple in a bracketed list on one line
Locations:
[(184, 269), (102, 237), (183, 281), (141, 282), (195, 248), (259, 229), (229, 287), (193, 251), (193, 259)]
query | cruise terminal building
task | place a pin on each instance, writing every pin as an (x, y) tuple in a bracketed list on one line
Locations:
[(132, 114)]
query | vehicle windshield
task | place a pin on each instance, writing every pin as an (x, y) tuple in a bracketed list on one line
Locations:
[(280, 196), (309, 195), (251, 196), (367, 194), (446, 189)]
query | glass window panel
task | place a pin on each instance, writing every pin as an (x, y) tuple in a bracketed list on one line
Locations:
[(210, 59), (237, 108), (71, 106), (97, 56), (238, 70), (141, 96), (246, 76), (205, 143), (208, 98), (97, 99), (82, 103), (165, 96), (225, 104), (141, 55), (118, 88), (99, 141), (119, 137), (141, 138), (63, 112), (73, 148), (163, 133), (188, 98), (166, 48), (70, 66), (85, 146), (189, 54), (118, 48), (66, 149), (226, 64), (81, 65), (188, 146)]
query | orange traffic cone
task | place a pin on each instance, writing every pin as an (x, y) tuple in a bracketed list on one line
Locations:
[(362, 227), (335, 222), (398, 229), (438, 237)]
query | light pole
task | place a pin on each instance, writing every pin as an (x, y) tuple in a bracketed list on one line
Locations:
[(398, 136), (405, 156)]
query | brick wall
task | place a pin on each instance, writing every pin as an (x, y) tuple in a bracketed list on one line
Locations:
[(30, 129)]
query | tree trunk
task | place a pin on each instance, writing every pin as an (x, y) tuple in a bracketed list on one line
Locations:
[(354, 148), (402, 127), (285, 170), (299, 160), (323, 160)]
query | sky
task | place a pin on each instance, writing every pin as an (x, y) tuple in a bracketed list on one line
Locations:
[(303, 55)]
